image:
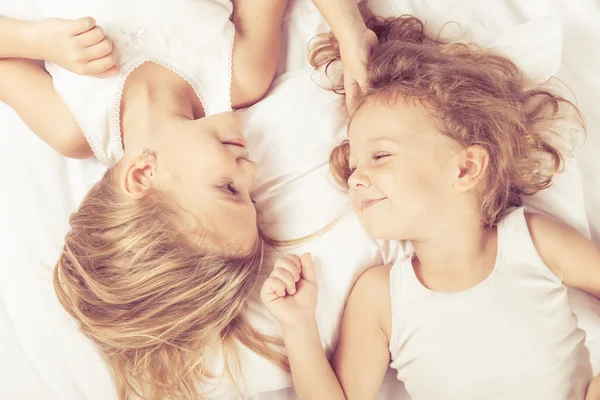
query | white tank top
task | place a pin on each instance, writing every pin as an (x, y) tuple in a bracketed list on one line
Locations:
[(193, 38), (512, 336)]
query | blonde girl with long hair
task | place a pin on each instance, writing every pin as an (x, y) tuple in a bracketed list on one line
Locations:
[(444, 140), (164, 251)]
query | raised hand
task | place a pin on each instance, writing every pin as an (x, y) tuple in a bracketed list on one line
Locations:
[(78, 45), (290, 293)]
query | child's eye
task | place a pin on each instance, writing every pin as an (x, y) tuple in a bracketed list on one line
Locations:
[(378, 156), (352, 169), (230, 187)]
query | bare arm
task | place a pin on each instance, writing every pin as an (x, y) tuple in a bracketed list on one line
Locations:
[(313, 376), (572, 257), (355, 42), (569, 254), (343, 17), (362, 356), (27, 88), (77, 45), (14, 39), (256, 48)]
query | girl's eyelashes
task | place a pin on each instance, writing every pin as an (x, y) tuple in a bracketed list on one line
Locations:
[(375, 157), (380, 155), (229, 187)]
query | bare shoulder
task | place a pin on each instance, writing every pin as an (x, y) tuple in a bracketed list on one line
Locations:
[(569, 254), (370, 296), (536, 221), (546, 231), (375, 277), (551, 239)]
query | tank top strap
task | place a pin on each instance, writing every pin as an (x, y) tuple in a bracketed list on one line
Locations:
[(398, 292), (515, 245), (514, 240), (403, 280)]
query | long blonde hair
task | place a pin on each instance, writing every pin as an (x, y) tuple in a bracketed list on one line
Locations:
[(478, 97), (152, 300)]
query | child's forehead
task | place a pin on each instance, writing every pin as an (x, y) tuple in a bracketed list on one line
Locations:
[(386, 116), (382, 123)]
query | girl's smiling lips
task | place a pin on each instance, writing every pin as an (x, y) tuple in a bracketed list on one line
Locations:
[(371, 202), (240, 142)]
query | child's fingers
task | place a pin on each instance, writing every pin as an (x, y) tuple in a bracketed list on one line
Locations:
[(296, 260), (114, 71), (289, 266), (81, 25), (360, 75), (287, 278), (91, 37), (98, 50), (272, 289), (100, 65), (308, 268), (352, 89)]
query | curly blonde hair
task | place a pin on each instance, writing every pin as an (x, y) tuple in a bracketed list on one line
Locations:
[(478, 97), (152, 299)]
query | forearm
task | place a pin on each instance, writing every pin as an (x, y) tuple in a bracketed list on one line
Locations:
[(258, 19), (343, 16), (256, 48), (14, 39), (313, 376), (28, 90), (258, 28)]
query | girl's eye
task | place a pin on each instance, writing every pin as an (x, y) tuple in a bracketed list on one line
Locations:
[(378, 156), (352, 169), (229, 187)]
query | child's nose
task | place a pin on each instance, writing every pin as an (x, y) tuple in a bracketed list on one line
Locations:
[(359, 179), (248, 169)]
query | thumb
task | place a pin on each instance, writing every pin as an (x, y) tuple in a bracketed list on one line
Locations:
[(81, 25), (112, 71), (272, 290), (308, 268), (352, 89), (360, 73)]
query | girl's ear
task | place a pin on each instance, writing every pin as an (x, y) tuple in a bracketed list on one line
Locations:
[(138, 176), (472, 166)]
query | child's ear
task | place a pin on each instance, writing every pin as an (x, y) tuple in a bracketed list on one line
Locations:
[(138, 176), (472, 165)]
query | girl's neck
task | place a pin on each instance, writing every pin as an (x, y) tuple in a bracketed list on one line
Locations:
[(458, 257), (152, 95)]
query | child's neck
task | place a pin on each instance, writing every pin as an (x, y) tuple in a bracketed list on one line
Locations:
[(152, 96), (458, 257)]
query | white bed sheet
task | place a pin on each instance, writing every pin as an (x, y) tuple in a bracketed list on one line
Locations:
[(43, 357)]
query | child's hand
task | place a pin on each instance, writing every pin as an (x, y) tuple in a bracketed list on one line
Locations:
[(355, 53), (290, 292), (77, 45), (593, 391)]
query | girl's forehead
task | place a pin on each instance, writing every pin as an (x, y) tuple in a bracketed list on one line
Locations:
[(380, 114), (388, 124)]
